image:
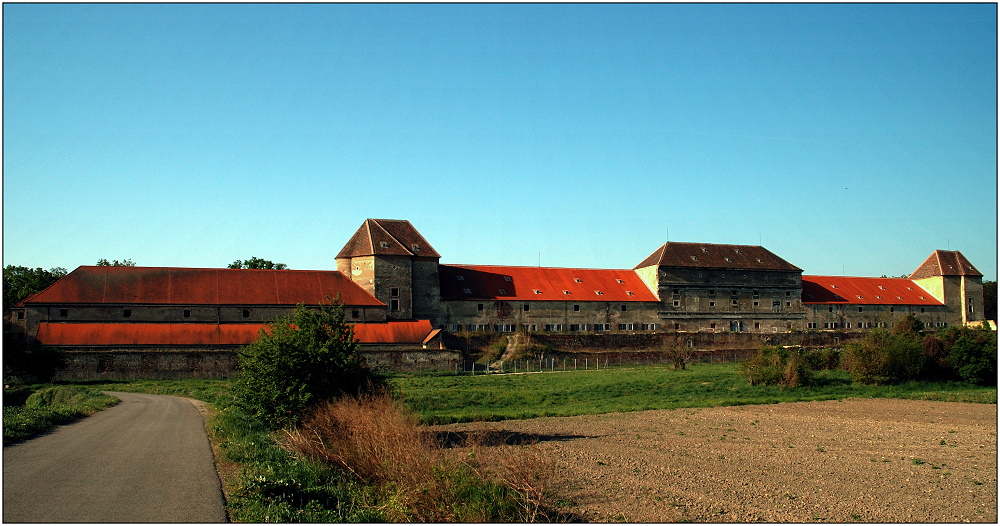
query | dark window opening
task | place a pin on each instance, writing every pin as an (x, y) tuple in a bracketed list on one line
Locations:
[(526, 307), (355, 313), (479, 307), (394, 293), (20, 315), (64, 312), (624, 308), (394, 304), (126, 313), (576, 308), (187, 313), (246, 313)]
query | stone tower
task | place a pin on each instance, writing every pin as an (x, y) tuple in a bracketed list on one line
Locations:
[(393, 262), (950, 278)]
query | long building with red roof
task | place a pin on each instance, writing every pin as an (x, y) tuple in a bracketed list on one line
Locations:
[(396, 291)]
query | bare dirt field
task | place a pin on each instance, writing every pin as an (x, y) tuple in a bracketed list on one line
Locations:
[(837, 461)]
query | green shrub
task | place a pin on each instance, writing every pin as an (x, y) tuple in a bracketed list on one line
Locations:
[(973, 356), (883, 358), (299, 361), (766, 367)]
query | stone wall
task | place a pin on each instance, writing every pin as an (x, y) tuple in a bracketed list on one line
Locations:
[(128, 364)]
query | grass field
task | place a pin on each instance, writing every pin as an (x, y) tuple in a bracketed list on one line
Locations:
[(452, 398)]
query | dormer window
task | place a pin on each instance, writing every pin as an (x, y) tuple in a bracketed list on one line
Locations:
[(566, 292), (460, 277), (578, 280), (630, 293), (536, 291), (467, 291), (620, 281), (599, 293), (507, 278), (705, 250), (384, 244), (694, 258), (416, 248), (503, 292)]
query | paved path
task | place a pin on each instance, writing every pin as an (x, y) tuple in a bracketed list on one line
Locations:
[(145, 460)]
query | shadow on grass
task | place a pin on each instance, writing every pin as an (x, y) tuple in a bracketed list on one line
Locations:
[(497, 437)]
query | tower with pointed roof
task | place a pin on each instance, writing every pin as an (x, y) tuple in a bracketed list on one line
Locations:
[(394, 263), (952, 279)]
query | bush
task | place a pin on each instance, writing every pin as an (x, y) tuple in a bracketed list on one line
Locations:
[(299, 361), (823, 359), (883, 358), (973, 356)]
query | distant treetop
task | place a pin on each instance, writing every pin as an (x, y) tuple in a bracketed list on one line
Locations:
[(258, 263), (115, 263)]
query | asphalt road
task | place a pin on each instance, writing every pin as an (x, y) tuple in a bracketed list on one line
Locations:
[(147, 459)]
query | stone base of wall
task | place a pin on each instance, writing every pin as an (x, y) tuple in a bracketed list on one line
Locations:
[(147, 363), (130, 364), (562, 343)]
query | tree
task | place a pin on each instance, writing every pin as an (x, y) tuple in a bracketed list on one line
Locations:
[(299, 361), (883, 357), (258, 263), (990, 300), (115, 263), (21, 282)]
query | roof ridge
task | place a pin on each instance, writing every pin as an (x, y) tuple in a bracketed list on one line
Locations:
[(394, 238)]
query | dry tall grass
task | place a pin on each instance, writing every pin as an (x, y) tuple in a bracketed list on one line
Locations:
[(375, 438)]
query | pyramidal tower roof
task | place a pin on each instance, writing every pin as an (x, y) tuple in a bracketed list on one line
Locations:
[(707, 255), (945, 263), (387, 237)]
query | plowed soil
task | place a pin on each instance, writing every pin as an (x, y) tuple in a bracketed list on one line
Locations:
[(836, 461)]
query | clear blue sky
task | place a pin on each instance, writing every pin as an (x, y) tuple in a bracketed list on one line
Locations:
[(848, 139)]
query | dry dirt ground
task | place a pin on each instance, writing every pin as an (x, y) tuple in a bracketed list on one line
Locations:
[(836, 461)]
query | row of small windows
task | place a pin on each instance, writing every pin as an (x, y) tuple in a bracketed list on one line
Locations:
[(734, 293), (862, 325), (553, 327), (127, 313), (526, 307)]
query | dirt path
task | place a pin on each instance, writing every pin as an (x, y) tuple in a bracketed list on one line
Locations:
[(837, 461)]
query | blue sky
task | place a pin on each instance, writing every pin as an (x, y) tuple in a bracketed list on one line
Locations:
[(848, 139)]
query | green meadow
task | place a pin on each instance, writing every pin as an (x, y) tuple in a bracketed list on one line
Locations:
[(448, 398)]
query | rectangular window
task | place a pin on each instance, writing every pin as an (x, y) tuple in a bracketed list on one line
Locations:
[(711, 326), (861, 309), (246, 313), (576, 308), (126, 313), (756, 304), (394, 304), (355, 313), (63, 312), (394, 293), (187, 313), (736, 303), (479, 307), (756, 295), (20, 315), (711, 304), (677, 303), (624, 308), (525, 307), (788, 304), (711, 293), (811, 325)]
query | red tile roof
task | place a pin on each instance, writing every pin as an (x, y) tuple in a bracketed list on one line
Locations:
[(203, 286), (945, 263), (460, 282), (387, 237), (707, 255), (206, 334), (864, 291)]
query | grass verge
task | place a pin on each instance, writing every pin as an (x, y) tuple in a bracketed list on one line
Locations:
[(450, 398), (32, 411)]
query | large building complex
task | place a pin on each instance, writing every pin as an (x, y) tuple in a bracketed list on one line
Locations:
[(396, 291)]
